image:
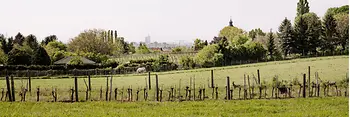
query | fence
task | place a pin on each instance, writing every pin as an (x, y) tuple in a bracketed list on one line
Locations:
[(252, 88)]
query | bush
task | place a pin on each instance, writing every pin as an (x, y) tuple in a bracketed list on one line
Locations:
[(187, 62), (176, 50), (205, 57)]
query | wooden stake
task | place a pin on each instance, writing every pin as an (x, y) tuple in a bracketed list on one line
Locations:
[(13, 89), (149, 80), (304, 85), (8, 85), (157, 88), (76, 89), (309, 81), (212, 78), (228, 96)]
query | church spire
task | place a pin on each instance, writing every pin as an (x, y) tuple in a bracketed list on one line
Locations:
[(231, 22)]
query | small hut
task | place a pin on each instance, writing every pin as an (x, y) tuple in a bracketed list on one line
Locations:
[(65, 61)]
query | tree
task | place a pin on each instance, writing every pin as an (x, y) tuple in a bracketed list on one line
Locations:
[(49, 39), (3, 57), (271, 47), (230, 32), (132, 49), (142, 49), (76, 60), (199, 44), (56, 50), (301, 35), (31, 41), (302, 7), (286, 36), (329, 36), (187, 62), (342, 28), (255, 32), (19, 39), (90, 41), (41, 57), (205, 57), (18, 57), (314, 31)]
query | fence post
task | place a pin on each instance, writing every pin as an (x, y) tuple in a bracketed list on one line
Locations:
[(89, 80), (8, 88), (309, 83), (13, 89), (250, 93), (149, 80), (29, 81), (245, 88), (259, 84), (157, 88), (304, 83), (76, 88), (228, 96), (194, 88), (212, 79), (107, 89), (110, 90)]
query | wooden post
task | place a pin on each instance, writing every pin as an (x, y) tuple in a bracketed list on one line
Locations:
[(149, 80), (245, 88), (72, 95), (38, 94), (194, 88), (259, 83), (110, 89), (228, 96), (309, 81), (304, 85), (317, 87), (250, 93), (212, 79), (107, 89), (29, 82), (157, 88), (9, 93), (89, 80), (76, 89), (13, 89)]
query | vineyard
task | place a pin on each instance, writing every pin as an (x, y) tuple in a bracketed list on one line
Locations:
[(172, 57)]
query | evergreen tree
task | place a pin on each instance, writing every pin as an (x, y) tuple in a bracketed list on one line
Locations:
[(41, 57), (19, 39), (314, 31), (286, 36), (271, 47), (18, 57), (31, 41), (302, 7), (49, 39), (329, 36), (301, 34)]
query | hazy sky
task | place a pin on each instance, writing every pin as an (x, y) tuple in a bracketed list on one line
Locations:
[(163, 20)]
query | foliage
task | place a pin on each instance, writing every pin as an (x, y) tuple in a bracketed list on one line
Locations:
[(3, 57), (18, 57), (271, 47), (300, 29), (187, 62), (49, 39), (286, 36), (229, 32), (176, 50), (90, 41), (19, 39), (314, 32), (110, 63), (6, 45), (98, 58), (199, 44), (142, 49), (342, 28), (240, 40), (255, 32), (41, 57), (302, 7), (76, 60), (205, 57), (56, 50), (329, 36)]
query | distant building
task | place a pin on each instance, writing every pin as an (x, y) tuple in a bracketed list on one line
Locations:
[(148, 39), (66, 61)]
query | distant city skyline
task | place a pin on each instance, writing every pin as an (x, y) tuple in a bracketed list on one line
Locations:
[(164, 21)]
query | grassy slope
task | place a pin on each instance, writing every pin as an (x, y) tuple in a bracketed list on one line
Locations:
[(336, 106), (329, 68)]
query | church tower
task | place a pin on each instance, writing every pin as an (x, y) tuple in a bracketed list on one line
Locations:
[(231, 22)]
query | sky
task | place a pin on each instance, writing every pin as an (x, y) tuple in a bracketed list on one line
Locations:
[(163, 20)]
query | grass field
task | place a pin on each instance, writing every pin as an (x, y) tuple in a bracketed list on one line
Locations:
[(329, 68), (311, 107)]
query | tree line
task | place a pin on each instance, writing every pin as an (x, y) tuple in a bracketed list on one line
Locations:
[(310, 35)]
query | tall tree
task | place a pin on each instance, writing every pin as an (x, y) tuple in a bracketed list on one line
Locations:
[(301, 34), (302, 7), (271, 47), (314, 31), (41, 57), (329, 36), (18, 57), (49, 39), (19, 39), (286, 36), (256, 32), (342, 21), (31, 41)]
